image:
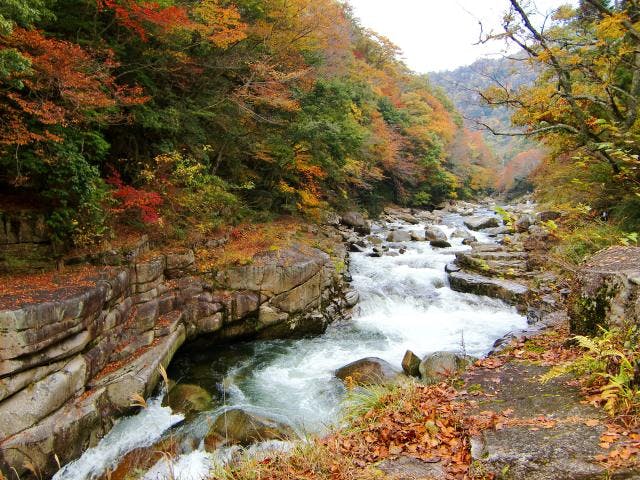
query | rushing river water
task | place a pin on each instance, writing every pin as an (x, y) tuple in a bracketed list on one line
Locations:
[(405, 303)]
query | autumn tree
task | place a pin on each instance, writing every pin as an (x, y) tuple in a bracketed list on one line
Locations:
[(585, 102)]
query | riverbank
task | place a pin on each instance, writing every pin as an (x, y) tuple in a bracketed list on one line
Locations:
[(401, 268), (76, 357)]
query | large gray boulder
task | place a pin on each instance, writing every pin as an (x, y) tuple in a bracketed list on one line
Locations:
[(607, 291), (439, 366), (399, 236), (437, 238), (434, 233), (356, 221), (480, 222), (368, 371)]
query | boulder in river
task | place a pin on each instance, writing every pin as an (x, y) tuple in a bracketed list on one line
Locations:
[(368, 371), (417, 237), (460, 233), (188, 399), (399, 236), (433, 233), (510, 292), (373, 240), (351, 297), (356, 221), (237, 426), (440, 243), (452, 267), (439, 366), (411, 364), (480, 222)]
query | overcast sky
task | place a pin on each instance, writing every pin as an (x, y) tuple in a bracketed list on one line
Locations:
[(437, 34)]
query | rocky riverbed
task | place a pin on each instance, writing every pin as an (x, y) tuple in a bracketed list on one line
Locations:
[(273, 389), (270, 344)]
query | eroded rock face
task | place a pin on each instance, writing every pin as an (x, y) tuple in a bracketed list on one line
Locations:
[(607, 291), (69, 367), (368, 371)]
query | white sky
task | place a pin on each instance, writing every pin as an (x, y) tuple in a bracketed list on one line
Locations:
[(438, 34)]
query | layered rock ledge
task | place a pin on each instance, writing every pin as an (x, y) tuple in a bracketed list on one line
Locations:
[(70, 366)]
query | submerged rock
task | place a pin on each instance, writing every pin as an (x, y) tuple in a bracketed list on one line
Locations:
[(237, 426), (368, 371), (188, 399), (478, 223)]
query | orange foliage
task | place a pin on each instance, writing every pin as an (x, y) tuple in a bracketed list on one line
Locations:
[(137, 16), (63, 84), (521, 166)]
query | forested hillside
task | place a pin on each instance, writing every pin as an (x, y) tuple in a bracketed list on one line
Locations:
[(517, 156), (192, 115)]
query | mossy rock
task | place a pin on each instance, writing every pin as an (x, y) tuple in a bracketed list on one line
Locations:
[(188, 399)]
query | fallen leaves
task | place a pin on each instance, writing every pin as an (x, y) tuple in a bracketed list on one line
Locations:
[(424, 422), (622, 445), (17, 291)]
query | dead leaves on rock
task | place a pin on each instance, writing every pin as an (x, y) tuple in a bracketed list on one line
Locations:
[(622, 448), (423, 422)]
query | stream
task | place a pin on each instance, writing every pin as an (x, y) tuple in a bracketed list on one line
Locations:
[(405, 303)]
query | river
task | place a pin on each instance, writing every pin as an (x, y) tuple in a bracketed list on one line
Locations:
[(405, 303)]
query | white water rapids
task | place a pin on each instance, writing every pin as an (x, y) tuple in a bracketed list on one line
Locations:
[(405, 303)]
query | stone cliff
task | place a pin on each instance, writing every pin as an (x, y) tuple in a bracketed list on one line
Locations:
[(70, 366)]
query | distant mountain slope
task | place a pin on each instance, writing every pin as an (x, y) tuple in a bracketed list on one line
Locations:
[(517, 155)]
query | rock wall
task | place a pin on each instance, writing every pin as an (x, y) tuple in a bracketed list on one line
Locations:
[(607, 291), (69, 367), (25, 242)]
